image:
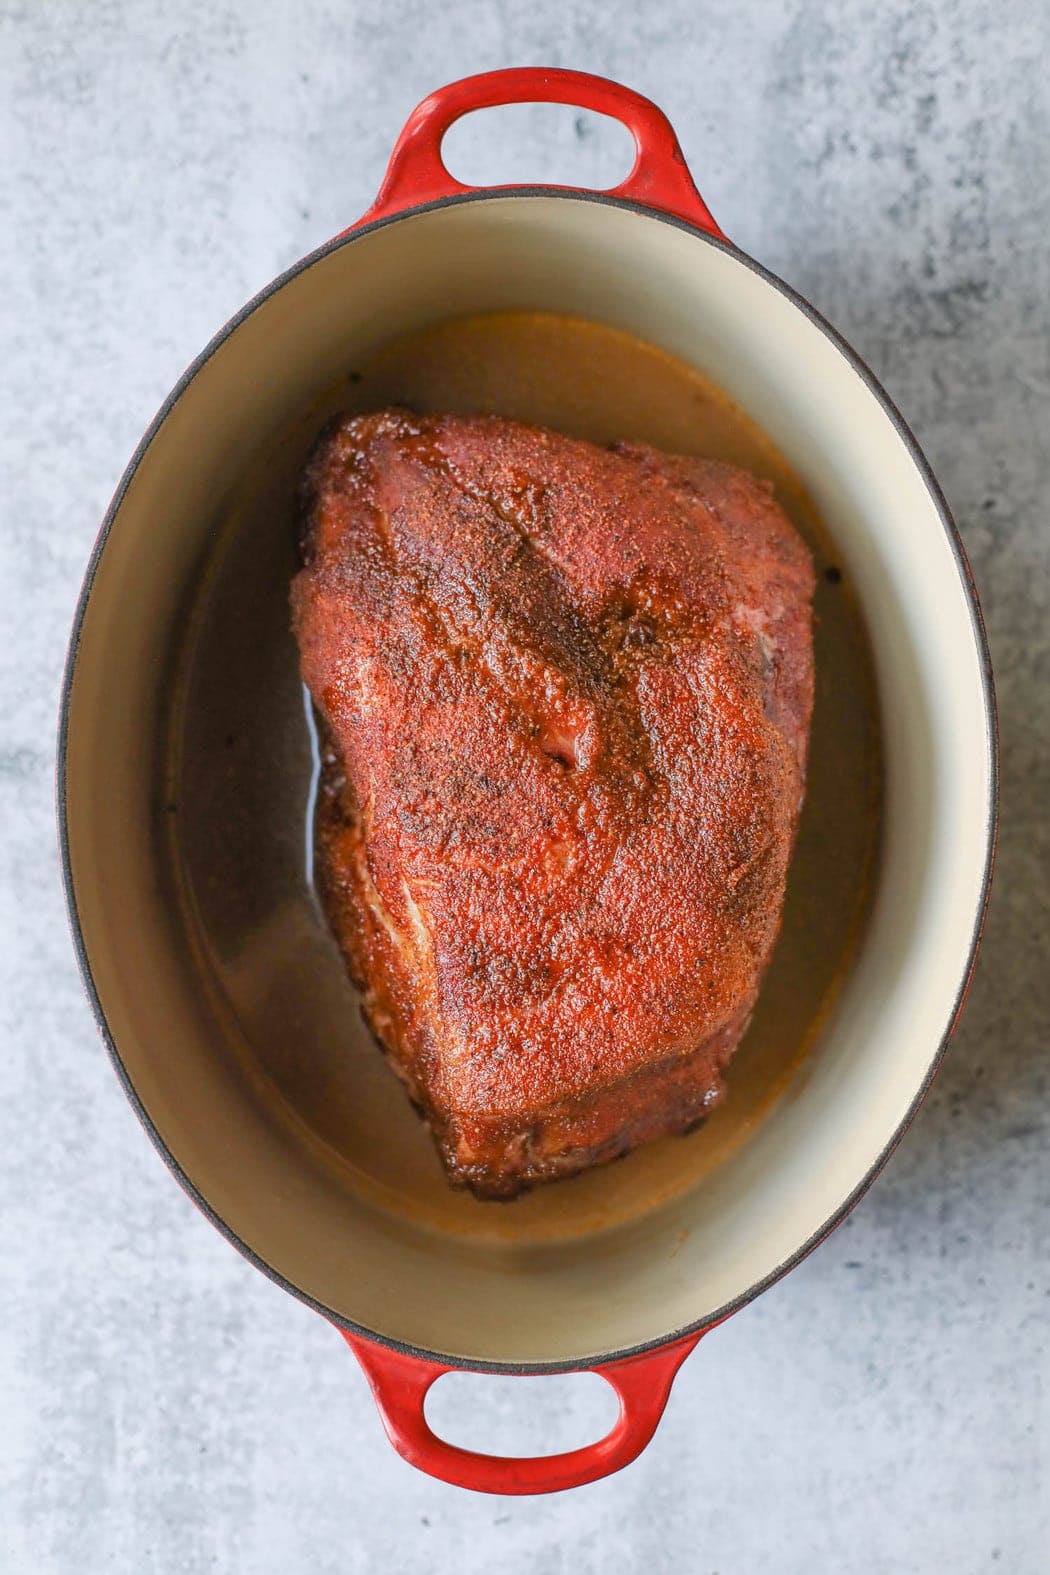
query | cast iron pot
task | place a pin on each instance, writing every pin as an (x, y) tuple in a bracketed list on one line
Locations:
[(416, 1293)]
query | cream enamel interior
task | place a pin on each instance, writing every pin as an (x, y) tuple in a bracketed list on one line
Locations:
[(558, 1303)]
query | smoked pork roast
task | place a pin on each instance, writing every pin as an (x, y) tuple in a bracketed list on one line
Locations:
[(565, 693)]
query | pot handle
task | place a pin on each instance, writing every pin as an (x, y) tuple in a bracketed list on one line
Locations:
[(399, 1383), (659, 179)]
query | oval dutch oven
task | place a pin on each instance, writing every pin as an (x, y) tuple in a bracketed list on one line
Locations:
[(647, 258)]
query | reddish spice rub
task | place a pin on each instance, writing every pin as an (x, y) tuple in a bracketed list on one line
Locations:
[(566, 693)]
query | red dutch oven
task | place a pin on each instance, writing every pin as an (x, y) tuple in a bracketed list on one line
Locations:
[(184, 782)]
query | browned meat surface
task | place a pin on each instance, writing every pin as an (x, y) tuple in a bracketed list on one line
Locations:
[(567, 694)]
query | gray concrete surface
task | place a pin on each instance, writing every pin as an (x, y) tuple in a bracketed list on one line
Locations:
[(162, 1406)]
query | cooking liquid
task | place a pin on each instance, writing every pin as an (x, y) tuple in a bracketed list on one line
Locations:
[(243, 776)]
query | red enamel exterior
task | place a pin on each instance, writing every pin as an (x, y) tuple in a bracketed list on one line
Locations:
[(399, 1380), (400, 1383), (659, 179)]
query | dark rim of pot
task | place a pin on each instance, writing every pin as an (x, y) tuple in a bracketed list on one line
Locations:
[(598, 1359)]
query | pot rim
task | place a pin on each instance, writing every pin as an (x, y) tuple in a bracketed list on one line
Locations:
[(346, 238)]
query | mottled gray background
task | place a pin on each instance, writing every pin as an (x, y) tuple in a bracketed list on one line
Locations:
[(162, 1406)]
